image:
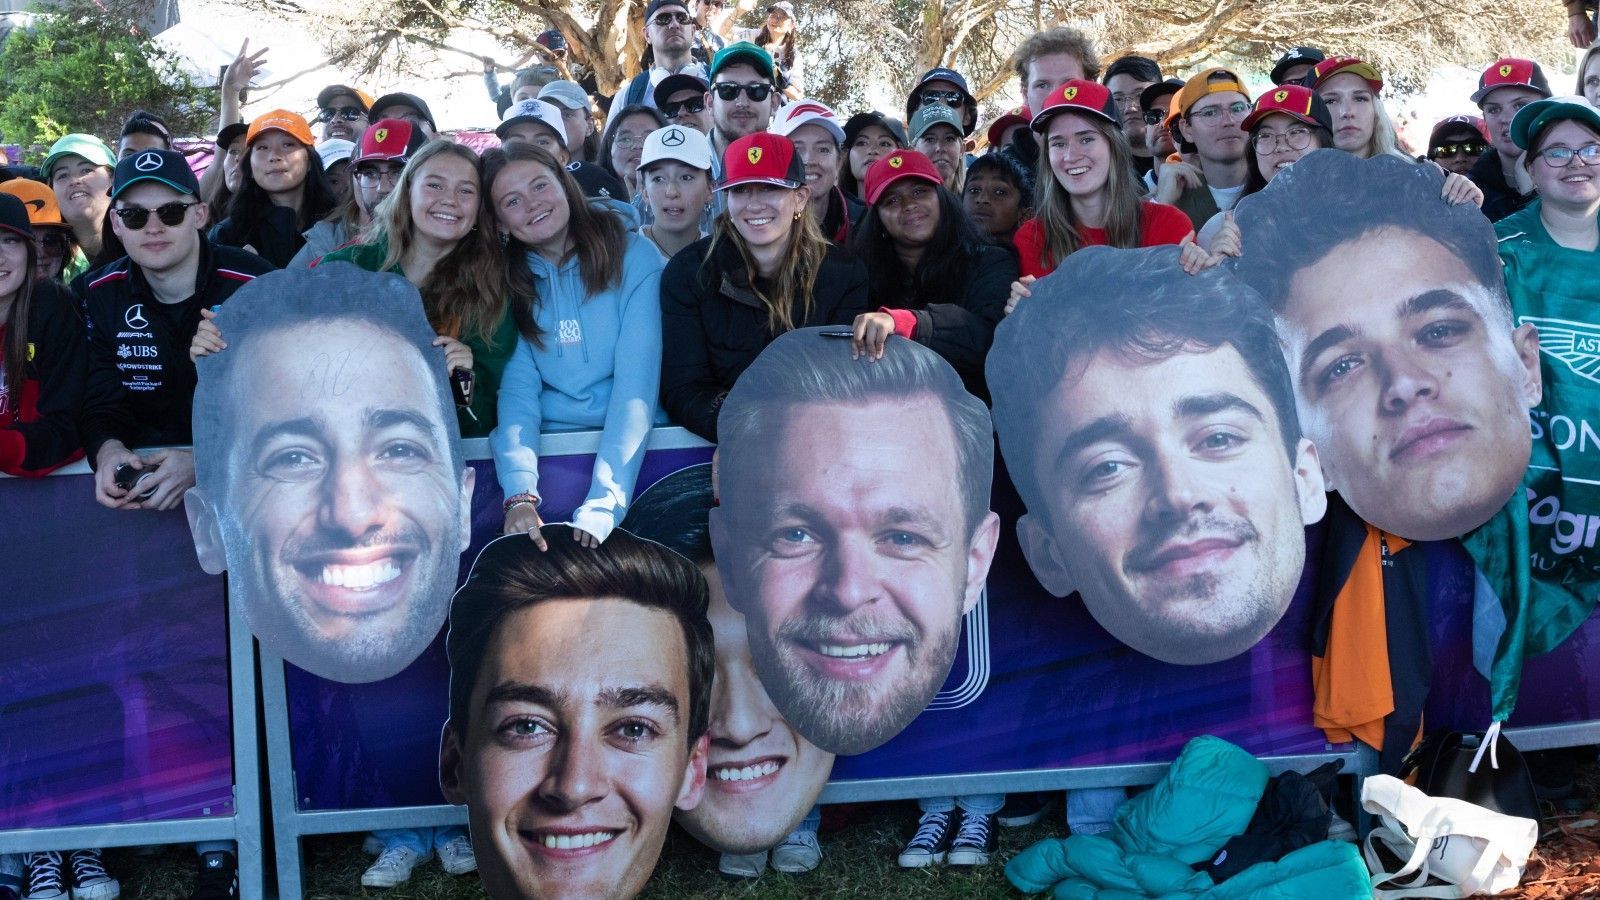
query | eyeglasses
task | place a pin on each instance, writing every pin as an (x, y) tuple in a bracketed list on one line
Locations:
[(728, 91), (1295, 138), (1561, 157), (1154, 116), (628, 141), (1125, 99), (54, 242), (373, 175), (348, 113), (691, 105), (1211, 114), (1475, 148), (948, 98), (170, 214), (667, 19)]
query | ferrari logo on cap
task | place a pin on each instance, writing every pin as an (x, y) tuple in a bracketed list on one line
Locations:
[(896, 161), (1280, 96), (1069, 93), (753, 154), (381, 135), (1505, 71)]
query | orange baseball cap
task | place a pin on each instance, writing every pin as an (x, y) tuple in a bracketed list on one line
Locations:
[(292, 124), (1203, 85), (39, 199)]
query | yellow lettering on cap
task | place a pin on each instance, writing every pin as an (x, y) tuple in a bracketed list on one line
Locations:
[(1505, 71), (753, 154), (381, 135), (1070, 93), (1280, 96), (896, 161)]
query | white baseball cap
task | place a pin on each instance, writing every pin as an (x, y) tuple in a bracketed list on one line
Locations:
[(334, 150), (531, 110), (678, 143), (807, 112)]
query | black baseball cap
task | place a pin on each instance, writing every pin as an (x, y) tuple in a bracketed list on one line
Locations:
[(674, 83), (856, 123), (1297, 56), (940, 73), (399, 98), (166, 166), (1149, 96), (650, 11), (231, 133), (14, 215), (327, 95)]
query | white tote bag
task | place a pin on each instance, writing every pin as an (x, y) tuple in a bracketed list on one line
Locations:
[(1471, 849)]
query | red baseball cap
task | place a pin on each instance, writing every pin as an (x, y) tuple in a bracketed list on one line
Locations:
[(997, 128), (1080, 96), (389, 140), (897, 165), (1510, 72), (764, 158), (1336, 65), (1292, 100)]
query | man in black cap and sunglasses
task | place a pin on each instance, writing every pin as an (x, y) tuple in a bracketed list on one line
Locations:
[(143, 310), (670, 33), (342, 112)]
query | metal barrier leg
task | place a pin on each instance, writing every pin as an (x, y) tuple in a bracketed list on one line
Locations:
[(246, 763), (280, 769)]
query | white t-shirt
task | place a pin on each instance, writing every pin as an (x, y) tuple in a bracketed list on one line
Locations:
[(1225, 198)]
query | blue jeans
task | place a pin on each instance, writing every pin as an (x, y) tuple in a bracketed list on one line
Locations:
[(421, 840), (978, 804), (1092, 810)]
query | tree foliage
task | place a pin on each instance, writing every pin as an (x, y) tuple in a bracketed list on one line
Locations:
[(84, 68)]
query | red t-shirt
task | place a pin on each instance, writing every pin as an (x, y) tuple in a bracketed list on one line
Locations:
[(1158, 224)]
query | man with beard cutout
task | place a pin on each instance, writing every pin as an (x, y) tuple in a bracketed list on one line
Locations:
[(852, 575), (1153, 439), (330, 481)]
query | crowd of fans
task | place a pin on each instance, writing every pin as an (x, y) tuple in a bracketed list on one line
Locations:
[(618, 277)]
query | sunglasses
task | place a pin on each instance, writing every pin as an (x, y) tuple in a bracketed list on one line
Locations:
[(691, 105), (170, 214), (1476, 148), (1154, 116), (54, 242), (728, 91), (948, 98), (669, 18), (347, 113)]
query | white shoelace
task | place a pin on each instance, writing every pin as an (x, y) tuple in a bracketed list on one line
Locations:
[(930, 830)]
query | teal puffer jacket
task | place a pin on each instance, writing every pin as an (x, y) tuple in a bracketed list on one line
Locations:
[(1207, 796)]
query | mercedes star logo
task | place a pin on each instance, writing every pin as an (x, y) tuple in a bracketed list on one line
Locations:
[(673, 138), (148, 161), (135, 316)]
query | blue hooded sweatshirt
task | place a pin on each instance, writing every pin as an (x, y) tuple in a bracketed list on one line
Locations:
[(600, 367)]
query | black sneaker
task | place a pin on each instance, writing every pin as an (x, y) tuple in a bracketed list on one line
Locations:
[(44, 876), (931, 842), (218, 878), (1023, 809), (90, 881), (974, 840)]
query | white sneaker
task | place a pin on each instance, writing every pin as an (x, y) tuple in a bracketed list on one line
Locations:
[(456, 855), (798, 853), (743, 865), (393, 867)]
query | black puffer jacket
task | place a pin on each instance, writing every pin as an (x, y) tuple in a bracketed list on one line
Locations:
[(713, 325)]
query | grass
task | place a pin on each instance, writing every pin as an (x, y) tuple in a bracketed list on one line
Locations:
[(858, 861)]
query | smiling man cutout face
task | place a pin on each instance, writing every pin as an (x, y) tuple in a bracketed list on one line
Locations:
[(329, 475), (854, 531)]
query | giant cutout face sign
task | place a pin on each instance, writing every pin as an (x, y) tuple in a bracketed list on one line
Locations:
[(762, 775), (854, 530), (330, 483), (1410, 377), (580, 682), (1147, 420)]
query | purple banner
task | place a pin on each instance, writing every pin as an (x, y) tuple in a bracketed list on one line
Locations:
[(113, 664)]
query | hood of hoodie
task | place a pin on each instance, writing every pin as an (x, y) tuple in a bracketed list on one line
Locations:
[(621, 208)]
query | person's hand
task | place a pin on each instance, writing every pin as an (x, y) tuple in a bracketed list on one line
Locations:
[(456, 354), (1459, 189), (489, 64), (1580, 30), (524, 519), (1228, 241), (1194, 258), (207, 338), (585, 539), (870, 334), (174, 474), (1019, 290), (112, 455), (244, 67), (1175, 178)]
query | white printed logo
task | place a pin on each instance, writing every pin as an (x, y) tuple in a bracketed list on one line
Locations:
[(569, 332), (1577, 344), (135, 317), (148, 161)]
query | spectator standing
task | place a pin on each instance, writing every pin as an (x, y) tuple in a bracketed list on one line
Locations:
[(374, 172), (282, 190), (670, 36), (868, 137), (1209, 109), (779, 35), (1457, 142), (1127, 79), (342, 112), (936, 134), (675, 179), (1589, 76), (998, 196), (78, 168), (577, 118), (815, 132), (946, 86), (682, 100), (412, 108), (1044, 62), (143, 131), (1504, 88), (1155, 105), (1293, 66), (58, 258), (1561, 143), (221, 179), (742, 95), (623, 144)]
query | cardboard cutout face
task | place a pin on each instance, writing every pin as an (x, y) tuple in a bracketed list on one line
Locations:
[(1152, 436), (329, 474), (580, 681), (852, 573), (762, 775), (1409, 375)]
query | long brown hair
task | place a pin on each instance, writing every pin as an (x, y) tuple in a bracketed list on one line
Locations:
[(599, 239), (465, 293), (1053, 206), (16, 322), (790, 290)]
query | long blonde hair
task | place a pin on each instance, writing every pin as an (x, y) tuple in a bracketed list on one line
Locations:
[(792, 286), (465, 294), (1052, 205)]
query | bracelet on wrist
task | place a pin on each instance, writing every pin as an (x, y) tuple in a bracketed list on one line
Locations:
[(518, 499)]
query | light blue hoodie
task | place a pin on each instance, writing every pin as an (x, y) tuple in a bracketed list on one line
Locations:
[(600, 367)]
